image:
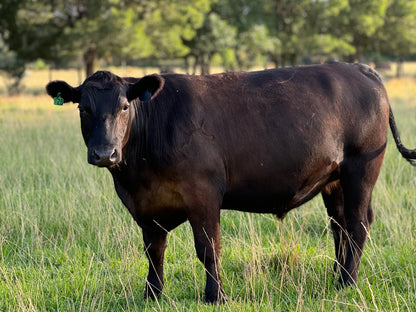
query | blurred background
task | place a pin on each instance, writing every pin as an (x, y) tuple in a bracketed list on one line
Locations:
[(135, 37)]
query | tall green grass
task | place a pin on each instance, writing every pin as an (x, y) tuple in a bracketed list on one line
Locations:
[(68, 244)]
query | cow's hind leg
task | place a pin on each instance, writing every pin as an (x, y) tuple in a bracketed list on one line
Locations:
[(334, 202), (358, 177)]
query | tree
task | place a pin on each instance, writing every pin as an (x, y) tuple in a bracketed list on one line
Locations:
[(254, 43), (306, 28), (26, 29), (285, 20), (242, 32), (255, 46), (13, 66), (132, 42), (242, 14), (361, 19), (94, 29), (285, 30), (396, 37), (215, 36), (91, 29), (169, 23), (106, 31), (320, 41)]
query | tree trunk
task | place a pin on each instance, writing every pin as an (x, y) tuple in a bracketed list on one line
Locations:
[(50, 73), (399, 69), (13, 84), (206, 64), (274, 58), (89, 60), (195, 65), (292, 58), (349, 58), (187, 64), (79, 71), (284, 59)]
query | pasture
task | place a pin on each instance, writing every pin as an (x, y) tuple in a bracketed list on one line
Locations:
[(68, 244)]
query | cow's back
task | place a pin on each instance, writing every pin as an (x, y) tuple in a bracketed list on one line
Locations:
[(281, 119)]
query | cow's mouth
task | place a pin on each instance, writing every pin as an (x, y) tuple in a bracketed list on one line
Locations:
[(104, 157)]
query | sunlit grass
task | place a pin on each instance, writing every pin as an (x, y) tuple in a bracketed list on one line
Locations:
[(408, 69), (402, 91), (68, 244)]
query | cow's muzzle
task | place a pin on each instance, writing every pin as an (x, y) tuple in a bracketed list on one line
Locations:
[(104, 157)]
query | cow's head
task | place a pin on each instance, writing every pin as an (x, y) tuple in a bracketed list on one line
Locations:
[(106, 112)]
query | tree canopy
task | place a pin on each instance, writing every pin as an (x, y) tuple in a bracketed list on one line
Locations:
[(238, 33)]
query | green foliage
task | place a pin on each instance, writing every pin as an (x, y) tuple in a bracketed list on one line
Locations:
[(116, 33), (242, 33), (13, 67), (28, 29), (243, 14), (397, 34), (214, 36), (286, 30), (25, 31), (362, 19), (255, 45), (171, 22), (39, 64), (327, 46), (131, 40), (103, 29), (92, 29)]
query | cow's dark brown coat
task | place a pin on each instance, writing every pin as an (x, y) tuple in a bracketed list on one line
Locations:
[(183, 147)]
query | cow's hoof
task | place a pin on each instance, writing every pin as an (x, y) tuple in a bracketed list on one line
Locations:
[(151, 292), (217, 298), (345, 280)]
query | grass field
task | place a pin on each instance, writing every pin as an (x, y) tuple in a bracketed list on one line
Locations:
[(68, 244)]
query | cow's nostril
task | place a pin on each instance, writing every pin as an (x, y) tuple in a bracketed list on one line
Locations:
[(114, 155), (96, 156), (103, 157)]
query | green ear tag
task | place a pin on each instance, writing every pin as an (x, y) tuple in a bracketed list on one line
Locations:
[(58, 100)]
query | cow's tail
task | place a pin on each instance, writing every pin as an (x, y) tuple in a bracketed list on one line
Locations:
[(409, 155)]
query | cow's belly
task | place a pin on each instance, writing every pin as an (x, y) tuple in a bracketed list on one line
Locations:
[(281, 194), (259, 202)]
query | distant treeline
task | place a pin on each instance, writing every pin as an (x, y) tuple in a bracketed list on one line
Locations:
[(236, 34)]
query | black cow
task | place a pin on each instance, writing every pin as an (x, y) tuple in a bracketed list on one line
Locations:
[(183, 147)]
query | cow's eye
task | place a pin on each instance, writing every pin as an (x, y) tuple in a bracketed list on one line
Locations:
[(126, 107)]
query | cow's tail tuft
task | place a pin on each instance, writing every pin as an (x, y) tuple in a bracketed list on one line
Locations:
[(409, 155)]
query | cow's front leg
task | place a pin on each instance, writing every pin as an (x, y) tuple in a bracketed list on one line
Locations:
[(154, 246), (206, 229)]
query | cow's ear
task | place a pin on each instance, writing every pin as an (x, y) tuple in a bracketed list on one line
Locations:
[(146, 89), (62, 91)]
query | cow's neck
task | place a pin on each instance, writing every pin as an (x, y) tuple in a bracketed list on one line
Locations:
[(158, 132), (143, 152)]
